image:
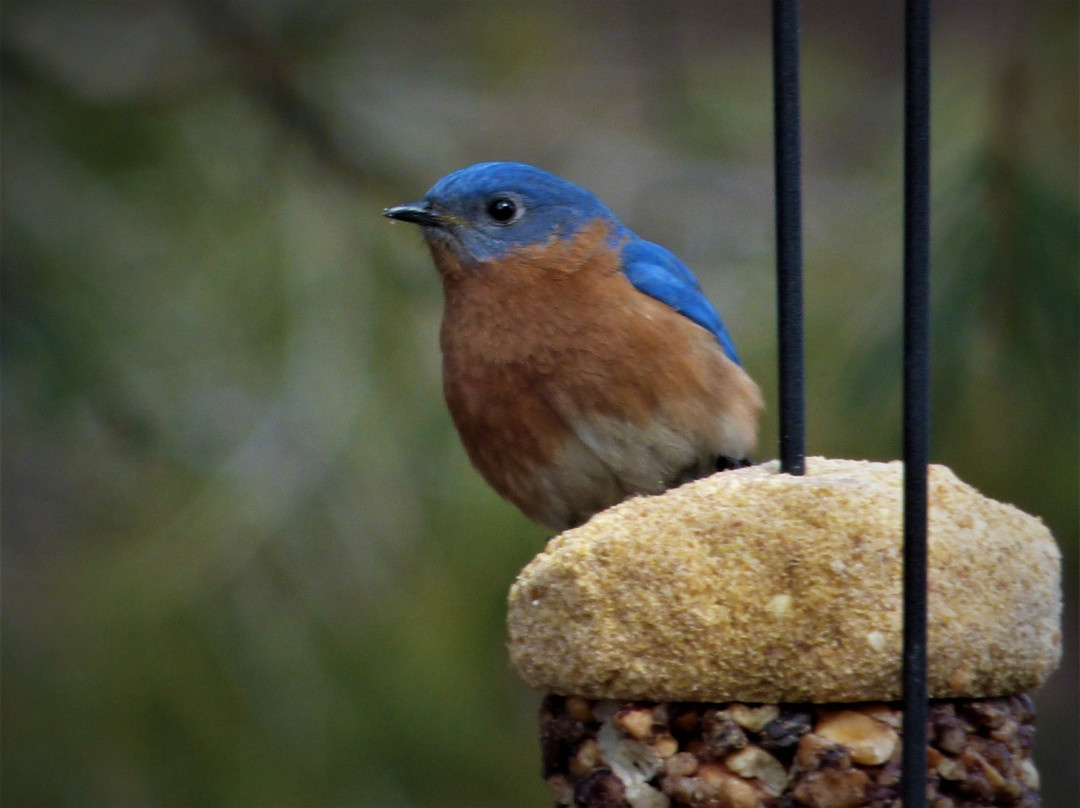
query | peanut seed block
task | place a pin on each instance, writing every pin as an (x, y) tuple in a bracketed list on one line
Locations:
[(735, 643)]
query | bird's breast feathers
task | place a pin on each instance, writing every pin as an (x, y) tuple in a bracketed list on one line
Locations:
[(572, 389)]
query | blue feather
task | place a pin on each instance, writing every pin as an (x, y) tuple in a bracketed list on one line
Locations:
[(657, 272), (556, 208)]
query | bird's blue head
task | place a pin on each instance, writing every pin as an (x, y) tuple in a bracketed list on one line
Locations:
[(488, 209)]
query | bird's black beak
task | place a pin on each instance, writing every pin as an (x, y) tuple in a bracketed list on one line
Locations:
[(420, 213)]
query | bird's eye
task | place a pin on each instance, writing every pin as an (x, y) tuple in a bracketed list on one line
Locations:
[(503, 210)]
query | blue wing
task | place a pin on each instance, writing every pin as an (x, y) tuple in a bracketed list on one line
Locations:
[(657, 272)]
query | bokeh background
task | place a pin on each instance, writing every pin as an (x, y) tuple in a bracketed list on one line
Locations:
[(245, 560)]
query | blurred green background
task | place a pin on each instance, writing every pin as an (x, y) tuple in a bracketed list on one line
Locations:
[(245, 560)]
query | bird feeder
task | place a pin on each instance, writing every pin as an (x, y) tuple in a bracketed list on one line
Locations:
[(736, 642), (819, 633)]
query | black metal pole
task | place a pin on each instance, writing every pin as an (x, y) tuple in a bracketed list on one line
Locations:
[(789, 235), (916, 393)]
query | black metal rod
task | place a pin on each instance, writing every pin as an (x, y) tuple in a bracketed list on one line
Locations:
[(916, 393), (789, 235)]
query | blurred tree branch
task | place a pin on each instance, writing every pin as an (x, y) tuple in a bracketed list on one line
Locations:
[(266, 71)]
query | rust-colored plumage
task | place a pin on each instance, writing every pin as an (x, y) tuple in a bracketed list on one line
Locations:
[(552, 343), (570, 387)]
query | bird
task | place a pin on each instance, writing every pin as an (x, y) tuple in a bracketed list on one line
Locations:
[(582, 365)]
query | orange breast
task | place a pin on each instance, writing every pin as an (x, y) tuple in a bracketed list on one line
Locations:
[(571, 389)]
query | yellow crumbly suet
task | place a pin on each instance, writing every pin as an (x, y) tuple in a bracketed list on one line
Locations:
[(753, 585)]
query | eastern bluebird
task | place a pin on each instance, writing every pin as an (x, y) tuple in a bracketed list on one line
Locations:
[(581, 364)]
